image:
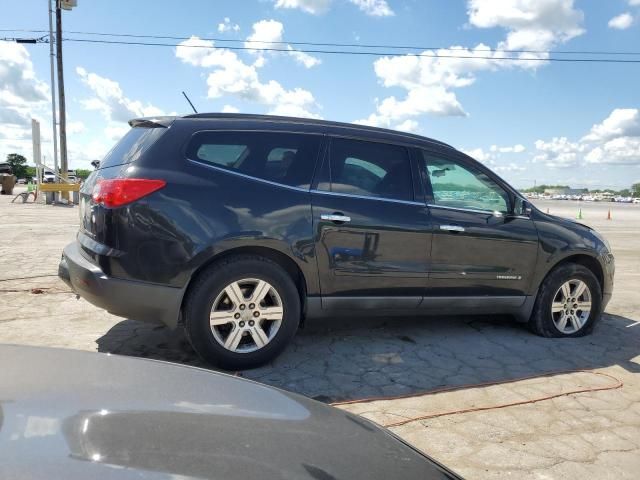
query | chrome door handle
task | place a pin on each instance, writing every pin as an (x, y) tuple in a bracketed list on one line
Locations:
[(335, 217), (452, 228)]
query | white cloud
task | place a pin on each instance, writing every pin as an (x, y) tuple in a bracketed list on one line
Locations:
[(407, 126), (308, 61), (559, 152), (110, 100), (519, 148), (509, 168), (268, 34), (116, 132), (230, 109), (265, 32), (230, 76), (619, 151), (21, 93), (117, 109), (227, 26), (480, 155), (375, 8), (75, 127), (621, 22), (621, 122), (22, 97), (314, 7), (616, 140), (431, 79), (530, 25), (634, 3)]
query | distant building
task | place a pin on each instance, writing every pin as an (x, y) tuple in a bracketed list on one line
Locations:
[(564, 191)]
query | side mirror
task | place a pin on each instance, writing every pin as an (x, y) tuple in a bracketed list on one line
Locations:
[(522, 207)]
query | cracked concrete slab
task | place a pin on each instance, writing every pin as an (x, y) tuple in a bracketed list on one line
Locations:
[(587, 435)]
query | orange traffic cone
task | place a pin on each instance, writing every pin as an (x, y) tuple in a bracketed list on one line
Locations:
[(609, 215)]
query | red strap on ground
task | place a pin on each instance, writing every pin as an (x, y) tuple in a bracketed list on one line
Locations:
[(617, 384)]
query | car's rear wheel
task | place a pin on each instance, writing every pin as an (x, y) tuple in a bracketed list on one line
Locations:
[(241, 312), (569, 303)]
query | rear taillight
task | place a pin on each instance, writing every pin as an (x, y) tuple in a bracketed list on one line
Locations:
[(121, 191)]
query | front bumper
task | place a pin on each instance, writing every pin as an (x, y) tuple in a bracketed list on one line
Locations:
[(125, 298), (609, 269)]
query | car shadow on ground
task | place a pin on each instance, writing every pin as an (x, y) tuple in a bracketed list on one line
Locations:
[(344, 359)]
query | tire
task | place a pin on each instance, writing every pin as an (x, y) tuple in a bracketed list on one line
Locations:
[(545, 323), (254, 348)]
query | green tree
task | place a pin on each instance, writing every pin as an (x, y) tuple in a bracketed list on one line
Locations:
[(18, 164), (635, 189), (82, 173), (31, 172)]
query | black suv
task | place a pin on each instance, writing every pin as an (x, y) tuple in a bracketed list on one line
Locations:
[(240, 226)]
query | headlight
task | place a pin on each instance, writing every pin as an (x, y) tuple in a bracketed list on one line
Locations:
[(599, 236)]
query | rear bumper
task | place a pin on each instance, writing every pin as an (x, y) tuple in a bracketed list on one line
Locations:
[(143, 301)]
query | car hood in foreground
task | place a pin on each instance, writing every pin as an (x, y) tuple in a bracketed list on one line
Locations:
[(77, 415)]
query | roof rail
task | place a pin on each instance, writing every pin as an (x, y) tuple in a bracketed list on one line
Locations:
[(309, 121)]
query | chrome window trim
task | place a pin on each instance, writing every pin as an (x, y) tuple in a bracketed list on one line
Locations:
[(470, 210), (250, 177), (366, 197)]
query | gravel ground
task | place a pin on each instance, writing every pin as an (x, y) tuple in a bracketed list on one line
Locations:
[(589, 435)]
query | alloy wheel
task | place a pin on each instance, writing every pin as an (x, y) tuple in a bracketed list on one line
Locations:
[(571, 306), (246, 315)]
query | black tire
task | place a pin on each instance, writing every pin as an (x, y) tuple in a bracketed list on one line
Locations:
[(541, 322), (208, 285)]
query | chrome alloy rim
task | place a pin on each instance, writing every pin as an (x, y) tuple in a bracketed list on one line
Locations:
[(571, 306), (246, 315)]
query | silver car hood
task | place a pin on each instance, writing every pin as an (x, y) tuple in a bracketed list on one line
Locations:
[(78, 415)]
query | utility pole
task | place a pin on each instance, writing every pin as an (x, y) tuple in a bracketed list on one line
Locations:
[(53, 87), (63, 117)]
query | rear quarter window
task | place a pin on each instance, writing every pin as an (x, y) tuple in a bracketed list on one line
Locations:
[(286, 158), (131, 147)]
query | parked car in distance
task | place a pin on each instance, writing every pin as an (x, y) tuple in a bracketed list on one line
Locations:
[(70, 415), (48, 176), (240, 226)]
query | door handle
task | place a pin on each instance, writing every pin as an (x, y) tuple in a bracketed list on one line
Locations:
[(452, 228), (335, 217)]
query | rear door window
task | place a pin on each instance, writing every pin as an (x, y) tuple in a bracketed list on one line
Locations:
[(130, 147), (287, 158), (370, 169)]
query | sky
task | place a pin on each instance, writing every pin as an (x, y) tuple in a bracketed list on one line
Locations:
[(529, 119)]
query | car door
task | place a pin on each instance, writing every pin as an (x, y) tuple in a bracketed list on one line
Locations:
[(480, 247), (372, 237)]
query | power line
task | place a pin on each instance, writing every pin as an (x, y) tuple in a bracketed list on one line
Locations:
[(349, 52), (328, 44), (339, 52)]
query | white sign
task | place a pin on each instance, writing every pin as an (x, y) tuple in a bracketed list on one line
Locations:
[(35, 136)]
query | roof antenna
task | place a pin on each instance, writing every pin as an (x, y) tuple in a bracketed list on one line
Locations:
[(194, 108)]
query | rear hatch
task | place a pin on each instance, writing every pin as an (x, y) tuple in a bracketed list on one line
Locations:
[(113, 184)]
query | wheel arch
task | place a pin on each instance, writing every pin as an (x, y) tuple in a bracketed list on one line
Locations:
[(588, 261), (276, 256)]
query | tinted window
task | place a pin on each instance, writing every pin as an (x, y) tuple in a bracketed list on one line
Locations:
[(287, 158), (131, 146), (370, 169), (461, 186)]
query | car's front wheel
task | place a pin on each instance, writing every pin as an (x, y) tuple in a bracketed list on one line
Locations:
[(569, 303), (241, 312)]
